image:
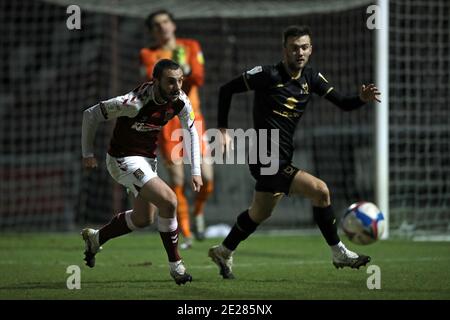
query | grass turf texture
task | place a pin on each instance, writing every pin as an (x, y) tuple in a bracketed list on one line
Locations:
[(33, 266)]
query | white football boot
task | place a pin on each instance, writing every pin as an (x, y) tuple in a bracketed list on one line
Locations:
[(178, 272), (90, 237), (224, 260), (342, 257)]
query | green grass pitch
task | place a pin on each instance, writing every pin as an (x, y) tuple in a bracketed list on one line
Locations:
[(33, 266)]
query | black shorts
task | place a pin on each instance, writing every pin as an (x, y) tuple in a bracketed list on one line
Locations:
[(279, 182)]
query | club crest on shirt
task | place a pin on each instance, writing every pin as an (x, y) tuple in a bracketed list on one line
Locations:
[(139, 174), (305, 88)]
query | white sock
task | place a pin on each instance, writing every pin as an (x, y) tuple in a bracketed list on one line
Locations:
[(338, 248), (174, 263), (167, 224), (128, 220)]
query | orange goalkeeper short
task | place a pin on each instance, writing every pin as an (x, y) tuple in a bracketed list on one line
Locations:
[(167, 146)]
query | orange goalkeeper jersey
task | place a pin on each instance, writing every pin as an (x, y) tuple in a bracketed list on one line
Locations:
[(188, 51)]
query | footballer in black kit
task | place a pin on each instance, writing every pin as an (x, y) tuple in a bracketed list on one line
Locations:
[(279, 103), (282, 92)]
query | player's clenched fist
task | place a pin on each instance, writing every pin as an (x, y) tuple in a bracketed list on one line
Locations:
[(89, 163)]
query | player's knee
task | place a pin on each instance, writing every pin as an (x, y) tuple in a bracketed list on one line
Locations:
[(169, 204), (322, 194), (177, 181)]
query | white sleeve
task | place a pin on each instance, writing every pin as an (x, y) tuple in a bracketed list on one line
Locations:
[(127, 105), (187, 118)]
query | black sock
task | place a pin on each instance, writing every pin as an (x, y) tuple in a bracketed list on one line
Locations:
[(243, 227), (115, 228), (327, 223)]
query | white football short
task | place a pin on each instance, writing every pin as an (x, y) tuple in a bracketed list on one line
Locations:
[(132, 172)]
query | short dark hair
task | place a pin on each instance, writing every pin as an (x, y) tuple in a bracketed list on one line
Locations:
[(151, 16), (162, 65), (295, 31)]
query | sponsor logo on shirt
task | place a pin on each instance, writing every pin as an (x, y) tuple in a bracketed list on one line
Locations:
[(145, 127), (287, 114)]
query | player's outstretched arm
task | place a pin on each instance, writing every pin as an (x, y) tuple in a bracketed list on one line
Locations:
[(322, 87), (367, 94)]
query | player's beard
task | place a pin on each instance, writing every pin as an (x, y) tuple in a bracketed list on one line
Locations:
[(169, 96)]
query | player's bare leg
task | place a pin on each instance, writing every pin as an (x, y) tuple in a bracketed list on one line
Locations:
[(260, 210), (161, 195), (143, 212), (316, 190), (176, 176), (201, 198), (263, 204)]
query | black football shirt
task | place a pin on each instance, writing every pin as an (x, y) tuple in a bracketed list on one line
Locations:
[(280, 100)]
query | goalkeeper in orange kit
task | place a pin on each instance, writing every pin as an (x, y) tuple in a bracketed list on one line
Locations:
[(188, 54)]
